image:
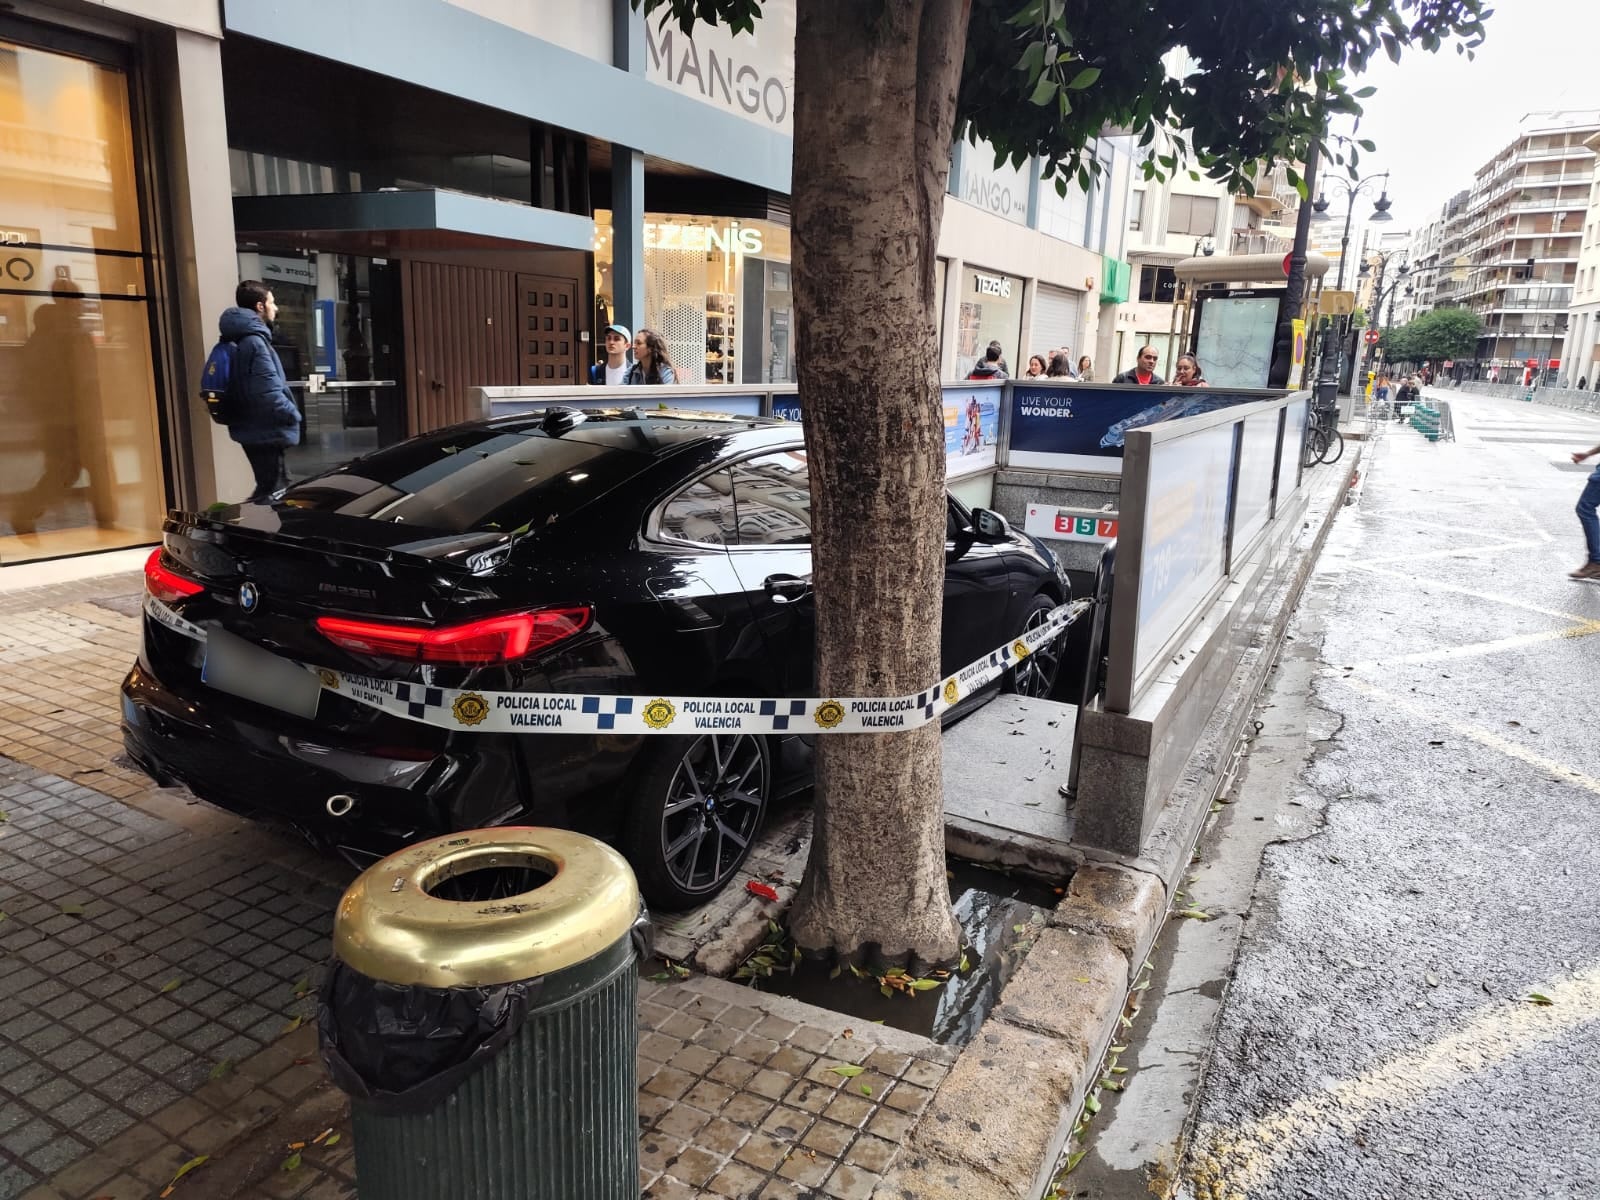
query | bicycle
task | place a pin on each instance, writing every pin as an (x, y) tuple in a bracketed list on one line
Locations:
[(1323, 437)]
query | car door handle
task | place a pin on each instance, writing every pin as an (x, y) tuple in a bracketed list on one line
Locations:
[(786, 589)]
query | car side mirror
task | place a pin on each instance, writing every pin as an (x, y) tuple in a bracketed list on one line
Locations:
[(990, 526)]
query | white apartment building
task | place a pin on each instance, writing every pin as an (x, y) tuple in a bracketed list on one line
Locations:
[(1581, 358), (1524, 230)]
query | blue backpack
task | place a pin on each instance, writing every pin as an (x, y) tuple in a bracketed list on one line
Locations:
[(221, 386)]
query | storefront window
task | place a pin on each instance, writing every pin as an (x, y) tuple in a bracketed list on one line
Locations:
[(991, 311), (719, 292), (80, 465)]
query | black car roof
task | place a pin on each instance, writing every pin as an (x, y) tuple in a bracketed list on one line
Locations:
[(653, 431)]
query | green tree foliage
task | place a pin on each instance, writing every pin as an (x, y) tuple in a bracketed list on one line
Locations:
[(1438, 334)]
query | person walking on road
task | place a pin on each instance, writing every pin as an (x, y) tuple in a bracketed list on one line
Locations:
[(269, 419), (650, 361), (1144, 373), (1588, 504)]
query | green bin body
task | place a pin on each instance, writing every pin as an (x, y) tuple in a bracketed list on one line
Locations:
[(552, 1114)]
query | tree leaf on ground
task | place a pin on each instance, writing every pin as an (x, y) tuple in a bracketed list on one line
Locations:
[(170, 985), (924, 985), (292, 1163), (1538, 998), (847, 1071), (866, 1089), (333, 1140), (194, 1163), (1194, 914), (1091, 1106), (302, 987), (292, 1026), (1074, 1159), (222, 1068), (72, 910)]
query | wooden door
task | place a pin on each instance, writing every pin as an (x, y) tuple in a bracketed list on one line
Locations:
[(548, 326), (458, 325)]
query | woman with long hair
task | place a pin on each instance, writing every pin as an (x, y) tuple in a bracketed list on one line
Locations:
[(650, 361), (1086, 369), (1060, 366), (1187, 372), (1036, 366)]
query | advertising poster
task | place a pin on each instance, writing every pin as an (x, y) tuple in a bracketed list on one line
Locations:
[(1185, 531), (1258, 451), (786, 407), (971, 427), (1080, 427)]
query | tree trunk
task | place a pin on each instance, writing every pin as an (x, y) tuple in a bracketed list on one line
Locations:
[(875, 95)]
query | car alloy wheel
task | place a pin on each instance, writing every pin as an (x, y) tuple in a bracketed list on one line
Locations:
[(713, 808), (1036, 674)]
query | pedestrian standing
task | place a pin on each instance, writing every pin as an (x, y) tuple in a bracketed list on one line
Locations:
[(650, 361), (1186, 372), (992, 365), (613, 370), (1086, 369), (268, 419), (1060, 366), (1037, 367), (1588, 503), (1144, 372)]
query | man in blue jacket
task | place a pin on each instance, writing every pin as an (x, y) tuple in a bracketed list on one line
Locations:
[(268, 419)]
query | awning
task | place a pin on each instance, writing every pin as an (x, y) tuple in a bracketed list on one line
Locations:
[(1245, 268), (376, 223)]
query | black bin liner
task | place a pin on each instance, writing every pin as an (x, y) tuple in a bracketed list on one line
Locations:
[(403, 1048)]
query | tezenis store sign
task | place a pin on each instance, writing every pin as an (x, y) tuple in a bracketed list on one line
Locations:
[(730, 239)]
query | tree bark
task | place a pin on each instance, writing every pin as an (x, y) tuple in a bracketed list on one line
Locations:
[(875, 97)]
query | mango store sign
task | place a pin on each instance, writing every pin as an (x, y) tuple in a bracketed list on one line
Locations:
[(1070, 524), (750, 75)]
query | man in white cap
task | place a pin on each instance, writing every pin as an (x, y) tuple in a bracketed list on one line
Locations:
[(614, 370)]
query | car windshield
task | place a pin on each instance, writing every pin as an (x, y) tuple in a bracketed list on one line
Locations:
[(482, 477)]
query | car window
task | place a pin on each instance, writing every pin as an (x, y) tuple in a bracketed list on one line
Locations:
[(772, 495), (703, 512)]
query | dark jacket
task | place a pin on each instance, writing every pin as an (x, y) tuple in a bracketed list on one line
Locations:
[(635, 375), (269, 415), (1132, 376), (989, 370)]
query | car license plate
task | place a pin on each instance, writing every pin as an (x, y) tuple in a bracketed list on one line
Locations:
[(244, 669)]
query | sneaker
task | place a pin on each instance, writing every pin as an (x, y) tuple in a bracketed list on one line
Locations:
[(1590, 571)]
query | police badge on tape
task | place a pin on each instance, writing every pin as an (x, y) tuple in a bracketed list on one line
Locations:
[(470, 708), (829, 713), (658, 714)]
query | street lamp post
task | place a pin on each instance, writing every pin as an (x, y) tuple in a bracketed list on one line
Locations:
[(1380, 294), (1328, 380)]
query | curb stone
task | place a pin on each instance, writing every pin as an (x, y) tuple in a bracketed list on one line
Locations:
[(1113, 911)]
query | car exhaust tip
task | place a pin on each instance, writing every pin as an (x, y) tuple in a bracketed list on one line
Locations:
[(341, 805)]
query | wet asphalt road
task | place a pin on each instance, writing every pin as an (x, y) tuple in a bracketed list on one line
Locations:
[(1439, 847), (1374, 1040)]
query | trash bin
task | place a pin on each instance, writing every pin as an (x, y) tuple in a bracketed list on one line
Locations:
[(481, 1013)]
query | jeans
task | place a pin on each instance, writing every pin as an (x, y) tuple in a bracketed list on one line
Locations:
[(1587, 504), (267, 463)]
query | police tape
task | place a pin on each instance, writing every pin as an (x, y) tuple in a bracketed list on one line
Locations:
[(484, 711)]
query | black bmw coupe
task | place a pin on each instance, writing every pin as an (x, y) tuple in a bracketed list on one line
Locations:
[(585, 552)]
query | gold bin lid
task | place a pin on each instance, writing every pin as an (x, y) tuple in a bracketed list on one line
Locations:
[(390, 926)]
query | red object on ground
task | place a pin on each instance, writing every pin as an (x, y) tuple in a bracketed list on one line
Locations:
[(756, 888)]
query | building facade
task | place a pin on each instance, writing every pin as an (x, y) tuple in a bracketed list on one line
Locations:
[(442, 194), (1581, 358), (1521, 235)]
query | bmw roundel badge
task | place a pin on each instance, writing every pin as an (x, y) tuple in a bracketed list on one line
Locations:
[(249, 596)]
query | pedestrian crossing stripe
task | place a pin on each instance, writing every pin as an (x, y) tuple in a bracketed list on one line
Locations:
[(479, 711)]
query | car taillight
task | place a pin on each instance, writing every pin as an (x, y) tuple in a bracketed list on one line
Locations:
[(475, 643), (166, 585)]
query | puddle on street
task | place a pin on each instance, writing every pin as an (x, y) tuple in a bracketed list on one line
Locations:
[(989, 905)]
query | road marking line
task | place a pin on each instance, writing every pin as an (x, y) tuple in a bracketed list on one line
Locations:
[(1478, 648), (1476, 733), (1487, 597), (1230, 1163)]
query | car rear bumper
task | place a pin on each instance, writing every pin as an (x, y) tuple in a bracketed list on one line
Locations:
[(212, 746)]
